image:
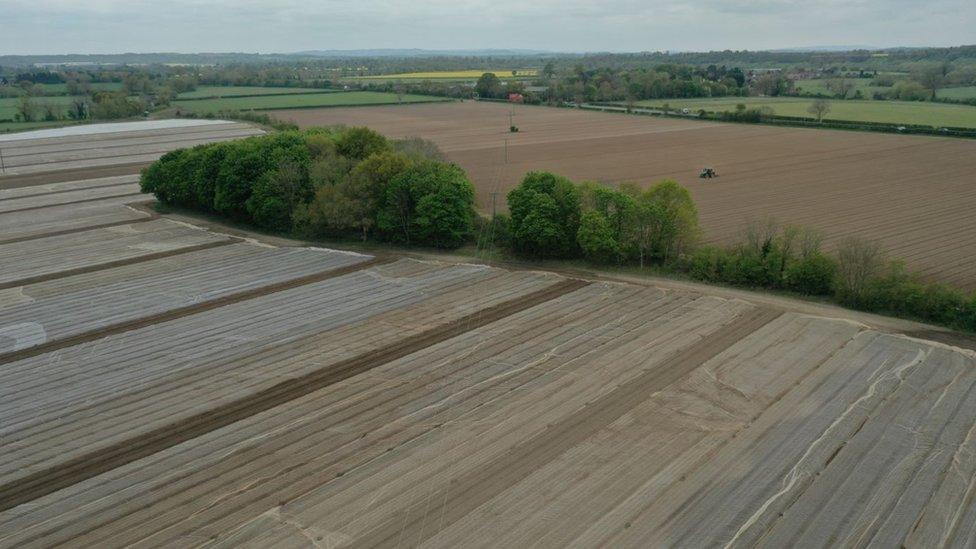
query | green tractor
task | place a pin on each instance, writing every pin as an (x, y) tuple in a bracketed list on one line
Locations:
[(707, 173)]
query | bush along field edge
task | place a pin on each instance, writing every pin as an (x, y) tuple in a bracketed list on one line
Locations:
[(342, 183)]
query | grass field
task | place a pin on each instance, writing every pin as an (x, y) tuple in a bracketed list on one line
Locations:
[(820, 86), (241, 91), (96, 86), (962, 92), (893, 112), (8, 105), (299, 101), (454, 75)]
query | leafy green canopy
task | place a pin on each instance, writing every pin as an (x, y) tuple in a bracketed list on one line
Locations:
[(323, 182)]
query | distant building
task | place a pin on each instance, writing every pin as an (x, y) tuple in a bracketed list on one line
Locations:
[(3, 81)]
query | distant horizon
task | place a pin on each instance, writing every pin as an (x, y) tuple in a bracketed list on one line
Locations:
[(482, 51), (108, 27)]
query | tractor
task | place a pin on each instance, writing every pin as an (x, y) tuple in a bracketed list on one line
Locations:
[(707, 173)]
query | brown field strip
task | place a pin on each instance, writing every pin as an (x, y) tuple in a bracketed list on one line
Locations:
[(151, 217), (187, 310), (60, 176), (81, 201), (86, 466), (913, 194), (62, 191), (113, 264), (470, 491)]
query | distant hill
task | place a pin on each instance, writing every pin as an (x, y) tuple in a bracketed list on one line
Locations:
[(420, 59), (421, 53)]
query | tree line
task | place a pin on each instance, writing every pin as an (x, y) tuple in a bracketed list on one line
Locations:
[(353, 183)]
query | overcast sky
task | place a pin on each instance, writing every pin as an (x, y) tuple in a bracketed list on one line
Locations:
[(277, 26)]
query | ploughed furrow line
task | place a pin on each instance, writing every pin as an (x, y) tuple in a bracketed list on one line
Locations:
[(54, 189), (60, 220), (71, 174), (68, 254), (178, 312), (81, 201), (117, 263), (105, 459), (151, 217), (477, 487)]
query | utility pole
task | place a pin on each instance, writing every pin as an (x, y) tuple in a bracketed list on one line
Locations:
[(3, 168), (493, 195), (506, 151)]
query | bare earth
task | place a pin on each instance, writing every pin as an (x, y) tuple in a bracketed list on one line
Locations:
[(165, 384), (914, 194)]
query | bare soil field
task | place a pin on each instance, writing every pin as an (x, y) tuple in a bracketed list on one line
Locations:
[(914, 194), (162, 384)]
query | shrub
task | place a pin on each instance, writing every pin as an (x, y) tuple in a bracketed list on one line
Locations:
[(706, 264), (812, 275), (859, 261), (493, 233)]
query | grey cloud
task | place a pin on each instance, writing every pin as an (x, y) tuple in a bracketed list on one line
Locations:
[(97, 26)]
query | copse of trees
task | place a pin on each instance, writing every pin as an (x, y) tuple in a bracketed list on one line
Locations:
[(323, 182), (553, 217)]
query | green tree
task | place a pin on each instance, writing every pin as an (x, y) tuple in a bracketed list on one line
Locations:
[(596, 239), (365, 189), (813, 275), (678, 230), (359, 143), (544, 227), (488, 85), (276, 194), (247, 162), (26, 109), (430, 203)]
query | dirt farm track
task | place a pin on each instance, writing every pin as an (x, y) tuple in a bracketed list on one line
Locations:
[(916, 195)]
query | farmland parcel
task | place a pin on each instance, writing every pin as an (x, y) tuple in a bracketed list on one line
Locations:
[(166, 385), (913, 194)]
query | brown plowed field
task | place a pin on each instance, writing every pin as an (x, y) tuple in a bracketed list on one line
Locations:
[(162, 385), (914, 194)]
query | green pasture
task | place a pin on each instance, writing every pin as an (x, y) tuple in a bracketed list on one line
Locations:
[(299, 101), (893, 112)]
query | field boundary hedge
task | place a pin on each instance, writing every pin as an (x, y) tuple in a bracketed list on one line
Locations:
[(305, 107), (880, 127), (275, 94)]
